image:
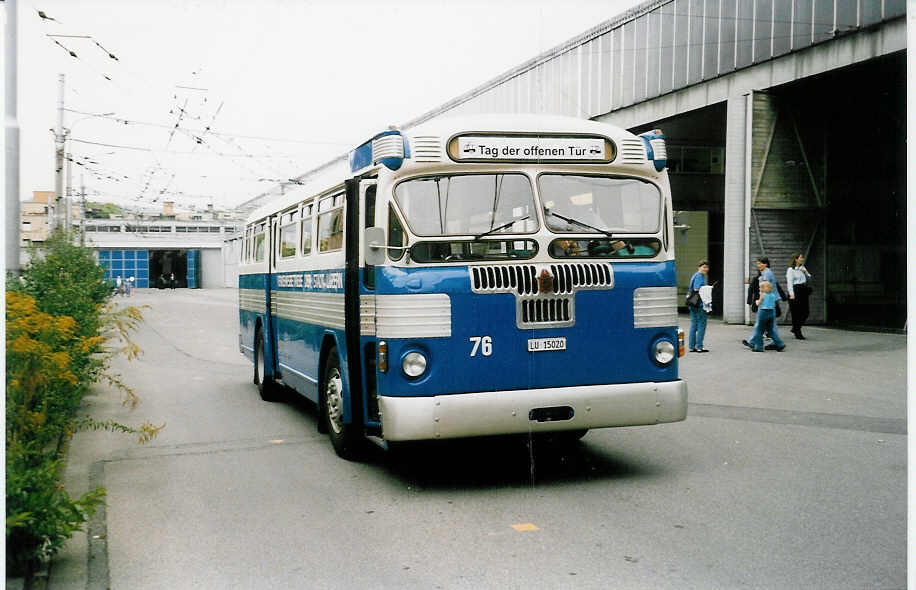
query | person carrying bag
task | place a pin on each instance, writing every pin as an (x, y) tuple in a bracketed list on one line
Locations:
[(696, 308)]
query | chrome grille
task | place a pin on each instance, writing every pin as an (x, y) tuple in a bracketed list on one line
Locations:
[(632, 151), (549, 310), (522, 278), (537, 309), (654, 307)]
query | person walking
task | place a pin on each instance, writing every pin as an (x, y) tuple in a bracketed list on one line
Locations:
[(119, 285), (696, 308), (766, 274), (766, 320), (799, 292)]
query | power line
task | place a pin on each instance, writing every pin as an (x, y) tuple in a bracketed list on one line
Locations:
[(218, 133)]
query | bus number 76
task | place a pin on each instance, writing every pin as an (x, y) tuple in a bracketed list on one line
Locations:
[(483, 343)]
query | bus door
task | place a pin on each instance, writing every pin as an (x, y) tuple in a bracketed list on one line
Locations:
[(270, 330), (359, 285)]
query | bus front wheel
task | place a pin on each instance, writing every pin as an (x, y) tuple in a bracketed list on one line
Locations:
[(267, 389), (345, 438)]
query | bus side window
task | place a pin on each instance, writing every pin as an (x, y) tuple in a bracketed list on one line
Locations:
[(396, 237), (369, 221), (307, 229), (665, 221), (330, 224), (289, 234), (259, 246)]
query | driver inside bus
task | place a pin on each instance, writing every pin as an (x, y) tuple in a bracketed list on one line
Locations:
[(572, 248)]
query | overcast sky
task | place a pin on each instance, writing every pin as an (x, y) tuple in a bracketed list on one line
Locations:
[(283, 85)]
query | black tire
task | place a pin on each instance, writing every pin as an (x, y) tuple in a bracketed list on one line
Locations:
[(347, 439), (267, 388)]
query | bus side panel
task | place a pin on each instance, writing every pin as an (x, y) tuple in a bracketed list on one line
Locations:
[(602, 347), (252, 305), (309, 308), (298, 347)]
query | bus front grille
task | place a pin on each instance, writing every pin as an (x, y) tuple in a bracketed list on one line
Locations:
[(545, 294), (523, 279), (536, 312)]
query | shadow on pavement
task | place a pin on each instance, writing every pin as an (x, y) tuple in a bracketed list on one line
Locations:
[(492, 462), (505, 461)]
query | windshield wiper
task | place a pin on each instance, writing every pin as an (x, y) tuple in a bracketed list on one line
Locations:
[(577, 222), (503, 226)]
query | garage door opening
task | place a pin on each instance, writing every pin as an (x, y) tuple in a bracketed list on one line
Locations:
[(166, 264)]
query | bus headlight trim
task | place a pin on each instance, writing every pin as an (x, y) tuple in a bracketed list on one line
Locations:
[(414, 364), (664, 352)]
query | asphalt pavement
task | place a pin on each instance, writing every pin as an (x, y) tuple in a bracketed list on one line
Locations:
[(790, 471)]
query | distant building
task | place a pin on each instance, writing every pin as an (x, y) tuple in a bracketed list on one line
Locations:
[(34, 215), (153, 248), (199, 249)]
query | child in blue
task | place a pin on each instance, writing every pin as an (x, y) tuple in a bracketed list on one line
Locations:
[(766, 319)]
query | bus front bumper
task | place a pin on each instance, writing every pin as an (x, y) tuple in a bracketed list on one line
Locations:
[(532, 410)]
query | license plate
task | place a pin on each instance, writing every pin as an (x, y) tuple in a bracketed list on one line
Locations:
[(542, 344)]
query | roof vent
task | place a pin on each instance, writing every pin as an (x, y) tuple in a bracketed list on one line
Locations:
[(427, 149), (632, 151)]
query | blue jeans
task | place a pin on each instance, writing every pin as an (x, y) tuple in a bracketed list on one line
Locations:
[(697, 327), (766, 323)]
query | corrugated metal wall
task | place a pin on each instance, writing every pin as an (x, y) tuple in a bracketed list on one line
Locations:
[(663, 46), (787, 208)]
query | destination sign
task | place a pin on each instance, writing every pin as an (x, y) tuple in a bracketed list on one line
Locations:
[(567, 149)]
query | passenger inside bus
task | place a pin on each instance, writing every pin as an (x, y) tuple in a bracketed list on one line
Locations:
[(605, 248)]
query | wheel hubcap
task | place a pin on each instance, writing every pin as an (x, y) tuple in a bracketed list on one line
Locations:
[(334, 399)]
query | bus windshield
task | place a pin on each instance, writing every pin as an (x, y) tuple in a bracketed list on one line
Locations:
[(599, 204), (471, 204)]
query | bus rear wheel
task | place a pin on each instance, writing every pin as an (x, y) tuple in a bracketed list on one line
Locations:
[(267, 388), (345, 438)]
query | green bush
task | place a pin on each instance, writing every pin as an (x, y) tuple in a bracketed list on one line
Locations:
[(60, 336)]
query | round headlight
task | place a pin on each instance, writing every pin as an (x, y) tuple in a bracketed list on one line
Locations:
[(664, 352), (414, 364)]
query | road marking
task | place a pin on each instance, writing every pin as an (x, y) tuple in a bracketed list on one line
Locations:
[(524, 527)]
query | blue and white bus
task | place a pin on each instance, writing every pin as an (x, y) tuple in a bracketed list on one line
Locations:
[(473, 276)]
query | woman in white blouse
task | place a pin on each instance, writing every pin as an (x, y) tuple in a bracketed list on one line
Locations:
[(797, 284)]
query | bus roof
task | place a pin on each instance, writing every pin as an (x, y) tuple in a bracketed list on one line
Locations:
[(445, 127), (324, 180)]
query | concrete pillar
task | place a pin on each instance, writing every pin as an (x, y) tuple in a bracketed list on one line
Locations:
[(734, 271)]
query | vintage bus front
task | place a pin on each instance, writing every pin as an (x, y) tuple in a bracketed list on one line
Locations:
[(528, 283)]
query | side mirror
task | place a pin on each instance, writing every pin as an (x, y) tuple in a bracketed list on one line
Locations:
[(375, 245)]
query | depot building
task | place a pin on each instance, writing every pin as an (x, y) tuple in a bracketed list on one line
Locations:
[(163, 253), (785, 124)]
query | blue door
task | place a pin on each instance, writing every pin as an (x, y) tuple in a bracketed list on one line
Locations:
[(193, 269)]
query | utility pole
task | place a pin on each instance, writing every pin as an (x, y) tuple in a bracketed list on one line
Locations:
[(11, 139), (82, 211), (59, 139), (68, 203)]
